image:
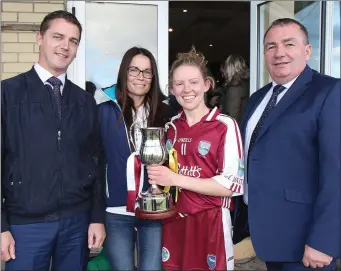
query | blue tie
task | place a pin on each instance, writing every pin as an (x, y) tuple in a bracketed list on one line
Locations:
[(271, 104), (56, 83)]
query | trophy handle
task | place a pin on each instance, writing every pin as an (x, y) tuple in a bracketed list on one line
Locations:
[(131, 133), (175, 132)]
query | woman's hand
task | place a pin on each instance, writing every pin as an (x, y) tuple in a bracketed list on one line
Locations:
[(161, 175)]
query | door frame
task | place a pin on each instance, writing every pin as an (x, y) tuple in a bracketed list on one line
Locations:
[(327, 38), (254, 45)]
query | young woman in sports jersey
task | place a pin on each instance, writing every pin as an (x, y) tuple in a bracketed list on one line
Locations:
[(211, 171)]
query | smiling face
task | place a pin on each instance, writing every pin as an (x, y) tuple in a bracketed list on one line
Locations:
[(189, 87), (286, 53), (58, 46), (138, 86)]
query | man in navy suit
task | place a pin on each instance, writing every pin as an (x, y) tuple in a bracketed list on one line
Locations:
[(291, 132)]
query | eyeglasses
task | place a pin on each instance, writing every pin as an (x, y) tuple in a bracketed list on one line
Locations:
[(135, 71)]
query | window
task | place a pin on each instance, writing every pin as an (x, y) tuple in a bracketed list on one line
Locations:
[(306, 12), (106, 42)]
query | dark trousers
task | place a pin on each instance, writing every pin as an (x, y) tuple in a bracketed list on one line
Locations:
[(65, 241), (240, 220), (299, 266)]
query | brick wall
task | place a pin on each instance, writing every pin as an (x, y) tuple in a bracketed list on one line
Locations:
[(19, 49)]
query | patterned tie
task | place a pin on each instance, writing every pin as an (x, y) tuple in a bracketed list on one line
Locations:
[(56, 83), (271, 104)]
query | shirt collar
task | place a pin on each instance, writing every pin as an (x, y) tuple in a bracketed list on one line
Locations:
[(44, 75), (210, 116), (287, 85), (140, 112)]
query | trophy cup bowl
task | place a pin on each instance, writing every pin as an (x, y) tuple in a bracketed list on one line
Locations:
[(153, 203)]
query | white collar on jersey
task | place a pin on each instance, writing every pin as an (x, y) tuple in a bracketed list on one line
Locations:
[(209, 117)]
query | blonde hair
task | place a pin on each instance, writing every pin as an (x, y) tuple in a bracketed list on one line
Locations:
[(235, 69), (191, 58)]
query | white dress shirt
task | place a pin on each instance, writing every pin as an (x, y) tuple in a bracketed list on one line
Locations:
[(44, 75), (251, 125)]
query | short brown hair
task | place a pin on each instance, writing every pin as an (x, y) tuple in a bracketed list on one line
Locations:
[(59, 14), (287, 21)]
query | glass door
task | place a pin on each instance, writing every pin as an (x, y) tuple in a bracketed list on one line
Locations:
[(110, 28)]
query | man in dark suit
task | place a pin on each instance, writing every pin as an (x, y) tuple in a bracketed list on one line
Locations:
[(52, 194), (291, 133)]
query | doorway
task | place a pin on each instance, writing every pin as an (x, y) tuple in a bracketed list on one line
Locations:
[(215, 28)]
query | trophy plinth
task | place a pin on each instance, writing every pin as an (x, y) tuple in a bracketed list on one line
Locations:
[(153, 203)]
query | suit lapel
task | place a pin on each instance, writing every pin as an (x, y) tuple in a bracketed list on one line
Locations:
[(295, 91), (260, 98)]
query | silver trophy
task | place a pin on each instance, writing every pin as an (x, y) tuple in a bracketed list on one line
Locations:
[(153, 203)]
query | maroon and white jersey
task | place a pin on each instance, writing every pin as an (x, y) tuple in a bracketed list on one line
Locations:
[(212, 148), (199, 237)]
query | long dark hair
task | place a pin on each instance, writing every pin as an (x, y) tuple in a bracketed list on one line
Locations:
[(153, 97)]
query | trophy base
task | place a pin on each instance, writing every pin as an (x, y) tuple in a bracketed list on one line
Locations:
[(155, 204), (155, 215)]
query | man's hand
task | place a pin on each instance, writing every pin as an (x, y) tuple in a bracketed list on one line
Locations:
[(315, 258), (96, 235), (7, 246)]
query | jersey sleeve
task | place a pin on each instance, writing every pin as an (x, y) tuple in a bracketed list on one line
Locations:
[(231, 158)]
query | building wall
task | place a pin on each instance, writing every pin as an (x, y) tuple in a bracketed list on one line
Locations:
[(19, 48)]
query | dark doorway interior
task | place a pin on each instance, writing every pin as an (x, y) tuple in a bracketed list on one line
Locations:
[(223, 24)]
